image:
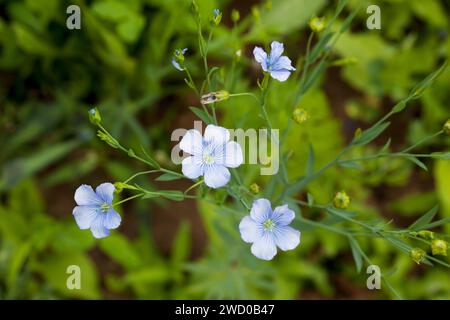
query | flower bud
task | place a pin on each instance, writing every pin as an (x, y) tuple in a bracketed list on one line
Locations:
[(300, 115), (121, 185), (341, 200), (254, 188), (216, 18), (235, 16), (94, 116), (108, 139), (178, 58), (214, 97), (317, 24), (426, 234), (446, 127), (439, 247), (417, 255)]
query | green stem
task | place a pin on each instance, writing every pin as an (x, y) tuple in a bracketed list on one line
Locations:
[(127, 199)]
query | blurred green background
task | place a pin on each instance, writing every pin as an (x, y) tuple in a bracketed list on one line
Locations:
[(120, 62)]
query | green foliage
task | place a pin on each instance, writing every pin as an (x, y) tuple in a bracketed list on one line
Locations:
[(120, 62)]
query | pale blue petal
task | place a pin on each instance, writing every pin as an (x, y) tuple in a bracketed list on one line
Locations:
[(283, 63), (261, 210), (85, 196), (276, 51), (112, 219), (216, 176), (282, 215), (264, 248), (106, 192), (184, 50), (280, 75), (177, 65), (249, 229), (192, 167), (98, 228), (192, 142), (286, 238), (216, 135), (85, 215), (261, 57), (231, 156)]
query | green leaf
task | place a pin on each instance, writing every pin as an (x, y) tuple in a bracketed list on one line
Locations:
[(351, 165), (310, 164), (357, 253), (441, 155), (418, 90), (425, 219), (181, 246), (168, 194), (417, 162), (168, 177), (120, 250), (370, 134), (310, 199), (201, 114)]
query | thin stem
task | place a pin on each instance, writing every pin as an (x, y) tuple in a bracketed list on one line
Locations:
[(139, 174), (128, 199), (194, 186)]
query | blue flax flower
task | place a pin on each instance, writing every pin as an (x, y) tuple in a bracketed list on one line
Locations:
[(178, 58), (277, 65), (211, 155), (267, 229), (94, 210)]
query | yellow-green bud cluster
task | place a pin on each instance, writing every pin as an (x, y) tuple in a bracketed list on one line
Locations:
[(341, 200), (417, 255), (254, 188), (317, 24), (300, 115), (439, 247), (446, 127)]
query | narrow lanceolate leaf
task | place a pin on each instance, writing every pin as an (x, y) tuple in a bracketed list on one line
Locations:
[(168, 177), (370, 134), (441, 155), (425, 219), (417, 162), (357, 253), (152, 162), (310, 164), (168, 194), (201, 114), (351, 165), (386, 146), (420, 88)]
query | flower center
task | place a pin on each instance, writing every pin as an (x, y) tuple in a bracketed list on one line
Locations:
[(208, 158), (268, 225), (105, 207)]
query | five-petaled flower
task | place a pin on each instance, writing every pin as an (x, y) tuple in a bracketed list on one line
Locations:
[(94, 210), (268, 229), (178, 59), (277, 65), (211, 155)]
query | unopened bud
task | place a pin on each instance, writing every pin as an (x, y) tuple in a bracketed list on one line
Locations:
[(108, 139), (446, 127), (214, 97), (300, 115), (217, 17), (426, 234), (94, 116), (417, 255), (317, 24), (235, 15), (254, 188), (341, 200), (439, 247)]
